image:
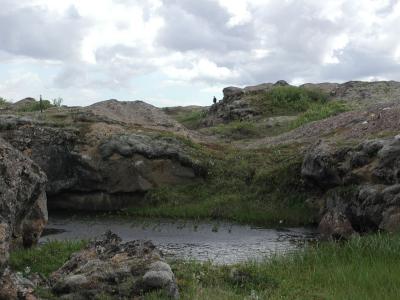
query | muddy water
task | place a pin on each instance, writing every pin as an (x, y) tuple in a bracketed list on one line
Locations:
[(219, 242)]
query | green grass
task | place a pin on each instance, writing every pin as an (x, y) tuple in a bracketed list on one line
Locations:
[(287, 100), (319, 111), (192, 120), (362, 268), (248, 186), (46, 258), (236, 130)]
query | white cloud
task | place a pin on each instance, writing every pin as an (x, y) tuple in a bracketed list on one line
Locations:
[(111, 47)]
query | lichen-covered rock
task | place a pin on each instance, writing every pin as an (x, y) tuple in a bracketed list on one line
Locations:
[(232, 91), (319, 166), (13, 286), (98, 166), (23, 211), (115, 270), (335, 224), (361, 185)]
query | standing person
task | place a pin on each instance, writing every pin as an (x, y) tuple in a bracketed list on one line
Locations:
[(215, 100)]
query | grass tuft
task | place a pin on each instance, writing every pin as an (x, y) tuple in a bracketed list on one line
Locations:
[(362, 268), (46, 258)]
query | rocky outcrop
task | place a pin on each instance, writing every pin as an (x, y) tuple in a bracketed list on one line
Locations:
[(23, 211), (360, 184), (236, 103), (101, 166), (137, 113), (13, 286), (114, 270)]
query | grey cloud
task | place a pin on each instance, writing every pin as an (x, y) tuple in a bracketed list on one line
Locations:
[(388, 8), (34, 32), (358, 63), (114, 69), (202, 26)]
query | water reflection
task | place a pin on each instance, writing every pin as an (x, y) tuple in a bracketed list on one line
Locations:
[(219, 242)]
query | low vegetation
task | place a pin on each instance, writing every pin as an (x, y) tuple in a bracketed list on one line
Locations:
[(248, 186), (306, 105), (191, 120), (287, 100), (235, 130), (362, 268), (319, 111), (46, 258), (3, 102), (191, 116), (35, 106)]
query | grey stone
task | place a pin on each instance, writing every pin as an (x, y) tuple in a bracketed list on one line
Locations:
[(107, 265), (319, 166), (23, 212), (232, 91)]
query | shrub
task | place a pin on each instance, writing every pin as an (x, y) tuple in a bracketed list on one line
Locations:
[(3, 101), (57, 102)]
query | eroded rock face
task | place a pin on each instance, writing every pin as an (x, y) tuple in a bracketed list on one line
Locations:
[(23, 211), (115, 270), (361, 186), (98, 166)]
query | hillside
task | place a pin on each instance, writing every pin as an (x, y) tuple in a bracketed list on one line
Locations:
[(239, 159)]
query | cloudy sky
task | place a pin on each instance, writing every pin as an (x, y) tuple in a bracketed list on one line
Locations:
[(181, 52)]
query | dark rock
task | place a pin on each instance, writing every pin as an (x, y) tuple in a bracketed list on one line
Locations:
[(391, 220), (281, 83), (319, 166), (336, 225), (115, 270), (13, 286), (90, 170), (388, 169), (23, 211), (373, 168), (232, 92)]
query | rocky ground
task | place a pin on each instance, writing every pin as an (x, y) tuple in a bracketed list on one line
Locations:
[(112, 154)]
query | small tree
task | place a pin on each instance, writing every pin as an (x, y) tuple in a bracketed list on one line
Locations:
[(58, 101), (3, 101)]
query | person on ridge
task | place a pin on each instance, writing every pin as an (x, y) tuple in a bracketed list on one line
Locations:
[(215, 100)]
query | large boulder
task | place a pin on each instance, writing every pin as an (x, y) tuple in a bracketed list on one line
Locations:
[(114, 270), (232, 91), (319, 166), (23, 211), (361, 186), (101, 166)]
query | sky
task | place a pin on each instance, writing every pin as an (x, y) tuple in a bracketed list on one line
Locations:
[(183, 52)]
